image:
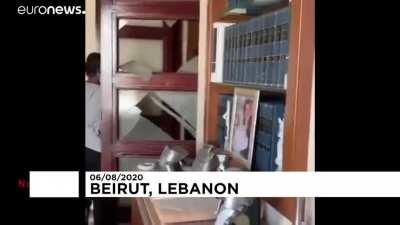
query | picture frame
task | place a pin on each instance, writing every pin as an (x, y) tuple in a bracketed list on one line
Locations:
[(243, 124)]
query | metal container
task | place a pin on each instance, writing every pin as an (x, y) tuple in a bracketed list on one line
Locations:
[(172, 155), (206, 159)]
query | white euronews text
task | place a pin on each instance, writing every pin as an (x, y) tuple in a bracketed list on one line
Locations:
[(50, 10)]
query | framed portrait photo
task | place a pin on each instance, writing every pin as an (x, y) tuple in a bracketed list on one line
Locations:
[(243, 124)]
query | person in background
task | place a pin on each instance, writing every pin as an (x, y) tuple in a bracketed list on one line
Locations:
[(104, 210), (92, 112), (92, 124)]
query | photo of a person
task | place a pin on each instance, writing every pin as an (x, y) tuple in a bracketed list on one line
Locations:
[(243, 124), (242, 128)]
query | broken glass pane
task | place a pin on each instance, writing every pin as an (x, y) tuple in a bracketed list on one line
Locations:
[(156, 115)]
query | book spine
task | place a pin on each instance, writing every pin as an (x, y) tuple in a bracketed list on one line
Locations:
[(226, 54), (224, 114), (221, 122), (282, 71), (238, 51), (253, 51), (263, 50), (258, 72), (275, 52), (268, 49), (280, 49), (284, 47), (236, 55), (247, 76), (278, 114), (223, 58), (231, 51), (284, 22), (232, 4), (269, 112), (219, 46), (241, 52), (264, 138), (237, 63), (259, 149), (214, 54), (246, 73)]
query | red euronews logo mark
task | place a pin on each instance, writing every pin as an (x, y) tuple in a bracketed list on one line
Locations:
[(22, 183), (50, 10)]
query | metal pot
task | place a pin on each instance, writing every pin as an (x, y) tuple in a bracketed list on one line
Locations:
[(172, 155)]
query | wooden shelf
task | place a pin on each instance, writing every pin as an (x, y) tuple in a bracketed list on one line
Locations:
[(160, 81), (266, 90), (233, 18), (227, 16)]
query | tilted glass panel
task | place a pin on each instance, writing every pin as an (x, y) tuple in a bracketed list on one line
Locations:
[(156, 115)]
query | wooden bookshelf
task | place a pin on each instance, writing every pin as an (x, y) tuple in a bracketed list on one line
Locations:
[(233, 18), (297, 97), (264, 89)]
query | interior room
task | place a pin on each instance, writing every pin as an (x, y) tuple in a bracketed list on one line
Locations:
[(173, 73)]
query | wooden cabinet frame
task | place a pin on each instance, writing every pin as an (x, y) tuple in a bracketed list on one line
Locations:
[(112, 81)]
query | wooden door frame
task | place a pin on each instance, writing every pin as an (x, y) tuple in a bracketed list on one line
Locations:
[(112, 81)]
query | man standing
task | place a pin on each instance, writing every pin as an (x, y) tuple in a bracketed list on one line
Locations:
[(92, 113), (104, 210), (92, 123)]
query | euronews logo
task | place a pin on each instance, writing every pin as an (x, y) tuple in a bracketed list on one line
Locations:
[(50, 10)]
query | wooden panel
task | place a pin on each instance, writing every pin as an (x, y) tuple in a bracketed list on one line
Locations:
[(137, 2), (176, 47), (143, 32), (159, 10), (298, 97), (193, 40), (299, 93), (162, 81), (203, 72), (107, 59), (217, 9), (233, 18), (139, 214), (212, 110), (124, 214), (98, 17), (152, 213), (184, 210)]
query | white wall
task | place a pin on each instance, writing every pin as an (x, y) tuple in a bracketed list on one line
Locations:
[(91, 34), (310, 211), (146, 52)]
